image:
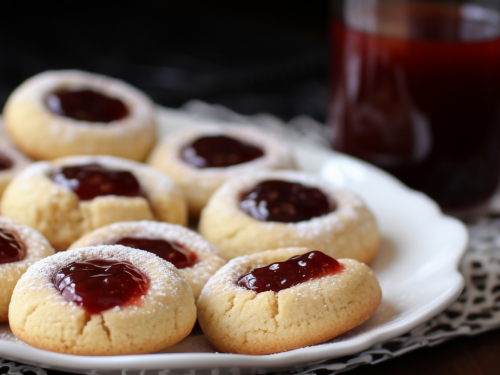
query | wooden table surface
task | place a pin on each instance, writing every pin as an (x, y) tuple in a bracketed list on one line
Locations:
[(475, 355)]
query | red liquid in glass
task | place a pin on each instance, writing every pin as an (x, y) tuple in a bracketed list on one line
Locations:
[(86, 105), (93, 180), (219, 152), (294, 271), (420, 97), (285, 202), (99, 285), (12, 249), (172, 252)]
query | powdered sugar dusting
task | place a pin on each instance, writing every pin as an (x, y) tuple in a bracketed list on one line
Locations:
[(348, 203), (144, 173), (208, 260), (225, 279), (151, 230), (160, 182), (6, 335), (276, 154), (158, 186), (37, 247), (350, 207), (39, 276), (200, 183), (36, 88)]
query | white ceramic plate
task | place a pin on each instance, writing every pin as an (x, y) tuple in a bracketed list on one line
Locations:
[(416, 266)]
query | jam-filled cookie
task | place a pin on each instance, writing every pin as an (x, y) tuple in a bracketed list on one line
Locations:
[(103, 300), (274, 209), (285, 299), (196, 259), (20, 247), (11, 163), (202, 160), (68, 112), (69, 197)]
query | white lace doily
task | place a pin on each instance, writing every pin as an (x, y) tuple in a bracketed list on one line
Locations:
[(11, 368), (476, 310)]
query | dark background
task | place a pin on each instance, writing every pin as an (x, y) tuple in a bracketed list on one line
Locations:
[(249, 55), (252, 56)]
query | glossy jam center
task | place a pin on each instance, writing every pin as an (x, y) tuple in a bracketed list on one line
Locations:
[(92, 180), (86, 105), (294, 271), (285, 202), (172, 252), (5, 162), (219, 151), (98, 285), (12, 249)]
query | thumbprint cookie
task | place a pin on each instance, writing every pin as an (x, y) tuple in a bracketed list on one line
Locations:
[(196, 259), (273, 209), (103, 300), (285, 299), (202, 160), (69, 112), (68, 197)]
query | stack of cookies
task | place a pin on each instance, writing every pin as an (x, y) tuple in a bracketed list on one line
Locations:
[(96, 257)]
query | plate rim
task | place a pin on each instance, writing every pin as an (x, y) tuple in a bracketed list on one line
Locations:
[(296, 357)]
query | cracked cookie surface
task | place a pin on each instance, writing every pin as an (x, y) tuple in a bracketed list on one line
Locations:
[(42, 317), (238, 320)]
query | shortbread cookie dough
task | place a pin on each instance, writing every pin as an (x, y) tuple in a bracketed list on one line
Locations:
[(69, 112), (196, 259), (20, 247), (345, 230), (239, 320), (158, 311), (202, 160), (11, 163), (36, 199)]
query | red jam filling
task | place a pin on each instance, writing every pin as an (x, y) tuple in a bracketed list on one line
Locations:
[(294, 271), (12, 249), (218, 152), (99, 285), (93, 180), (285, 202), (5, 162), (172, 252), (86, 105)]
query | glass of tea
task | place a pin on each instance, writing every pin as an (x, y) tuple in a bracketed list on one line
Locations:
[(416, 91)]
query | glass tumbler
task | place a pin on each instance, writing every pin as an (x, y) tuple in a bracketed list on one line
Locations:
[(416, 91)]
